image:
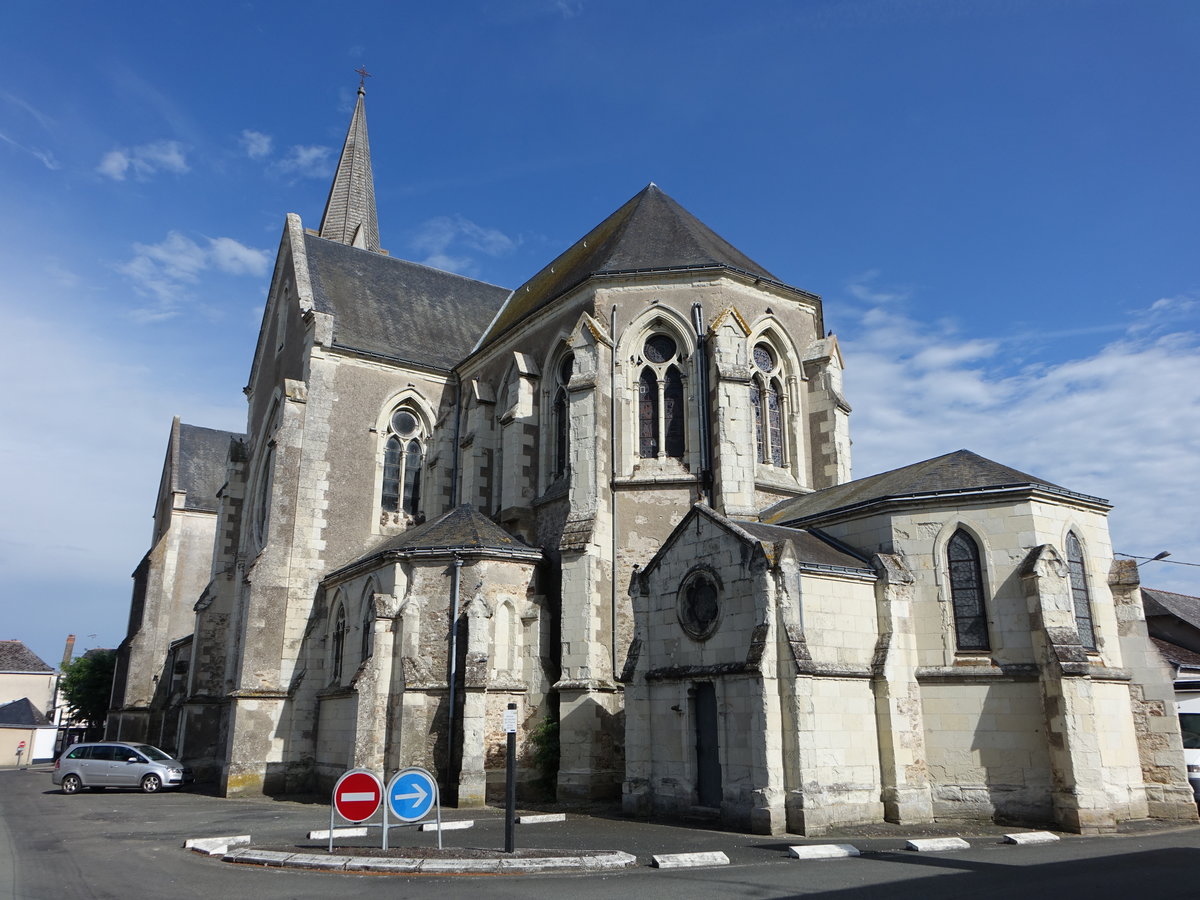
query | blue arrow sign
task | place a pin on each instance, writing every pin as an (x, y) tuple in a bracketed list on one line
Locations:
[(411, 794)]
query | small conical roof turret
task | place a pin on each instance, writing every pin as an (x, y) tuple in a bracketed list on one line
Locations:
[(350, 216)]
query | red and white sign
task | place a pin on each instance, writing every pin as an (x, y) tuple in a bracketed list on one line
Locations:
[(21, 746), (357, 795)]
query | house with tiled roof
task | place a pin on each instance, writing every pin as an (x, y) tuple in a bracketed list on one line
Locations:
[(27, 692), (618, 498)]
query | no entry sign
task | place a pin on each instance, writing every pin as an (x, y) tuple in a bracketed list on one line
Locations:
[(357, 795)]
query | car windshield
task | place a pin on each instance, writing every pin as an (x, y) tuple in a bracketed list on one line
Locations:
[(150, 752), (1189, 725)]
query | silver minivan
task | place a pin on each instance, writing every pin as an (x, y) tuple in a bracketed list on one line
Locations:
[(115, 764)]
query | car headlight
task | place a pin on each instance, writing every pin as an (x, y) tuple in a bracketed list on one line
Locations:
[(174, 771)]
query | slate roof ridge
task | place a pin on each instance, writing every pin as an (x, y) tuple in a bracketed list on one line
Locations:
[(955, 472), (399, 260), (1182, 606), (1173, 653), (16, 657), (622, 244)]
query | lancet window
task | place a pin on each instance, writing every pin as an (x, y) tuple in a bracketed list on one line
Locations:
[(966, 592), (562, 417), (338, 651), (1079, 592)]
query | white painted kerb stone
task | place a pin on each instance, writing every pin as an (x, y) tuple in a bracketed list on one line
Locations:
[(337, 832), (447, 826), (547, 817), (823, 851), (690, 860), (1031, 837), (926, 845), (216, 846)]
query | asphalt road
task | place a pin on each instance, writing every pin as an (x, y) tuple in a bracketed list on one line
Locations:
[(128, 845)]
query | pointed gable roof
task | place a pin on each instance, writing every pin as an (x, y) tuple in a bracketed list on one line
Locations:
[(650, 233), (22, 713), (199, 465), (16, 657), (959, 472), (350, 216)]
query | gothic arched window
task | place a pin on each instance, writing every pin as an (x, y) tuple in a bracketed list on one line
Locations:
[(562, 418), (1079, 592), (403, 452), (766, 399), (338, 650), (966, 593), (368, 622), (661, 406)]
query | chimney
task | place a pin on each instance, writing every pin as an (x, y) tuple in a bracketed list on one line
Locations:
[(68, 651)]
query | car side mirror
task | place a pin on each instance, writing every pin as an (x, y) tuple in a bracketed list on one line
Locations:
[(132, 759)]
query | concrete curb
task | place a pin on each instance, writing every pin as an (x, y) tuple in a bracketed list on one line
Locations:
[(216, 846), (333, 862), (689, 860), (823, 851), (931, 845)]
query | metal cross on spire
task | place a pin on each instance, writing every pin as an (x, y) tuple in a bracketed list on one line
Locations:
[(363, 75)]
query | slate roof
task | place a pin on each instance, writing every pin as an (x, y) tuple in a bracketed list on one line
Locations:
[(351, 202), (200, 467), (22, 713), (396, 309), (809, 546), (1175, 654), (954, 472), (462, 528), (651, 232), (16, 657), (1165, 603)]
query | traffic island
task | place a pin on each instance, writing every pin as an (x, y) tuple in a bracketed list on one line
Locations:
[(430, 860)]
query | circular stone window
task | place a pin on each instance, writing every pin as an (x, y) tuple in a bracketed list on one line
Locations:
[(764, 358), (659, 348), (699, 607), (405, 423)]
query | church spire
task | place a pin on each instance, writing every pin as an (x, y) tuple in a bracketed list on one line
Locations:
[(350, 216)]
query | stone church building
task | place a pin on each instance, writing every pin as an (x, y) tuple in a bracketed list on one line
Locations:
[(620, 496)]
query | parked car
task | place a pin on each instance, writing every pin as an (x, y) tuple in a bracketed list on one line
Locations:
[(115, 764), (1189, 727)]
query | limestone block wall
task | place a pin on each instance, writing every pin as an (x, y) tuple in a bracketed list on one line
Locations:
[(986, 749), (335, 729)]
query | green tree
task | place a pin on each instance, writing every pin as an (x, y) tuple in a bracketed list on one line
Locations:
[(87, 686)]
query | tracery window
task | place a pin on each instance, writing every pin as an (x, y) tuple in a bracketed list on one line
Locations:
[(403, 452), (339, 644), (661, 406), (1079, 592), (562, 418), (266, 479), (766, 399), (966, 593)]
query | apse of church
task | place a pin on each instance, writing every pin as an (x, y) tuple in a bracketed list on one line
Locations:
[(620, 497)]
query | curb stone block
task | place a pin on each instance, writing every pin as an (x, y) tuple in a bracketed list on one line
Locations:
[(447, 826), (547, 817), (258, 857), (216, 846), (690, 860), (823, 851), (1031, 837), (338, 832), (318, 861), (927, 845), (385, 865)]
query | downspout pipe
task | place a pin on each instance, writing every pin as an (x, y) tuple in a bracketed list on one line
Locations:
[(612, 482), (706, 478), (455, 583)]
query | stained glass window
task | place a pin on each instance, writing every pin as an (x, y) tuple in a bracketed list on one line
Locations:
[(673, 412), (339, 643), (391, 474), (774, 426), (1079, 593), (966, 593), (402, 457), (648, 414), (659, 348)]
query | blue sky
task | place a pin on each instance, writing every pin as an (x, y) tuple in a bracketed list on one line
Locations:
[(996, 199)]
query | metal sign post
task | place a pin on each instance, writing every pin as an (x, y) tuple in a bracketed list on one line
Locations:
[(510, 778), (411, 794)]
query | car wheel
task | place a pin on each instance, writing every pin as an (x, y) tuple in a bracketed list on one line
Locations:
[(71, 784), (151, 784)]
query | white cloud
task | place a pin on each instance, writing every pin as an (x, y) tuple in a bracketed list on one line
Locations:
[(453, 243), (255, 143), (163, 271), (1119, 420), (307, 162), (144, 160)]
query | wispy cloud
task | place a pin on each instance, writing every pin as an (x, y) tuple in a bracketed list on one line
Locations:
[(306, 162), (255, 143), (454, 243), (1120, 420), (164, 270), (144, 160), (45, 157)]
